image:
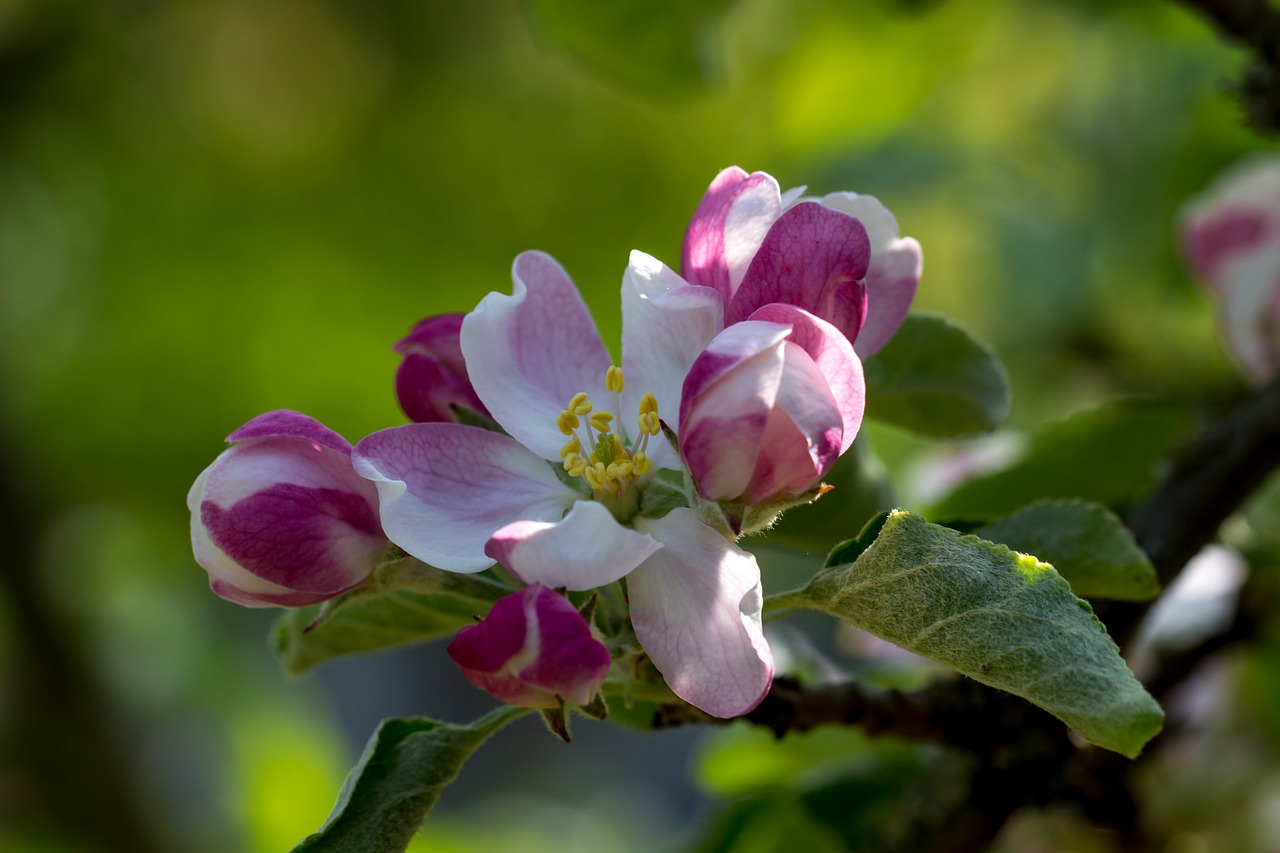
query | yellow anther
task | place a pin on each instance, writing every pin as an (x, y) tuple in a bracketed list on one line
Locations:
[(571, 447), (567, 421), (600, 420), (619, 470), (648, 403), (580, 404), (574, 465), (613, 379), (640, 464)]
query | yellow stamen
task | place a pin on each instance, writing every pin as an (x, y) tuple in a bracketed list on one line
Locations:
[(610, 465), (567, 422), (613, 379)]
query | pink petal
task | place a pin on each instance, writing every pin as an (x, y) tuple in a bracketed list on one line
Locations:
[(289, 424), (834, 357), (696, 607), (586, 549), (529, 353), (284, 520), (894, 271), (727, 229), (814, 258), (432, 378), (728, 396), (445, 489), (533, 646)]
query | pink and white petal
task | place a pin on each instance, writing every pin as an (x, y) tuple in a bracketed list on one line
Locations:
[(528, 353), (696, 608), (803, 437), (264, 463), (284, 423), (228, 580), (585, 549), (833, 355), (794, 463), (727, 350), (666, 324), (1250, 324), (815, 258), (571, 661), (445, 488), (728, 227), (891, 287)]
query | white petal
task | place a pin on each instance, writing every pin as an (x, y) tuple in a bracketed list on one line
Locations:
[(696, 608)]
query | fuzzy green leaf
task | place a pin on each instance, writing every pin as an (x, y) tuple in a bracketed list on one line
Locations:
[(1087, 543), (935, 379), (404, 768), (997, 616)]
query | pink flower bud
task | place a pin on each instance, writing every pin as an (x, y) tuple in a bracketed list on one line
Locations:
[(532, 647), (432, 379), (281, 518), (769, 406), (1231, 237)]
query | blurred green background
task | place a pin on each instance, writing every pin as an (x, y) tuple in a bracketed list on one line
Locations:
[(212, 208)]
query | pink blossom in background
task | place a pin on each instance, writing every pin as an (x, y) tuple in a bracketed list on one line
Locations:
[(281, 518), (1231, 238)]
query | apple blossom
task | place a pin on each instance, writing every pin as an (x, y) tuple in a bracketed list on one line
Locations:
[(745, 231), (767, 408), (533, 649), (461, 497), (431, 382), (281, 517), (1231, 237)]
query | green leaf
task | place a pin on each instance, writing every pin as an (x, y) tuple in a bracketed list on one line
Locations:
[(997, 616), (404, 768), (1108, 455), (409, 602), (1087, 543), (936, 380), (658, 47)]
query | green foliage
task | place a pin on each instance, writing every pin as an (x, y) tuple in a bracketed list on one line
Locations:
[(840, 787), (1108, 455), (1087, 543), (405, 767), (935, 379), (999, 617), (657, 48)]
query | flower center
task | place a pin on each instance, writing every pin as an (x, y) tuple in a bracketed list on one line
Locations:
[(603, 458)]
